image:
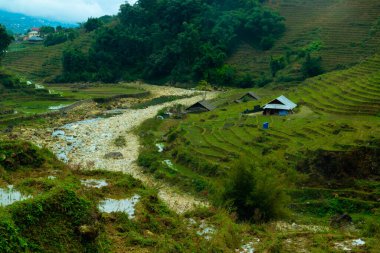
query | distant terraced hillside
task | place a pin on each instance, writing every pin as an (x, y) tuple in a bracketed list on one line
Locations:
[(41, 63), (352, 91), (348, 30)]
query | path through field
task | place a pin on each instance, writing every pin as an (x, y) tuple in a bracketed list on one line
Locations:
[(96, 140)]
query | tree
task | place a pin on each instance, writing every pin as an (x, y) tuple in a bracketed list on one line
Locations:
[(256, 194), (45, 30), (92, 24), (5, 40), (180, 40), (312, 66), (276, 64)]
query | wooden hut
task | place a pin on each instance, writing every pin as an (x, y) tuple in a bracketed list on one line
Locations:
[(280, 106), (201, 106), (249, 96)]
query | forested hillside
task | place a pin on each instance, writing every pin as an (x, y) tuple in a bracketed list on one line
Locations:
[(176, 41), (239, 43)]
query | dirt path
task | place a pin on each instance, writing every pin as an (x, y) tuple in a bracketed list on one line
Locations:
[(91, 141)]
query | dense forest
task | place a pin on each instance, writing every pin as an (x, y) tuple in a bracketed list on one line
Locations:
[(173, 41)]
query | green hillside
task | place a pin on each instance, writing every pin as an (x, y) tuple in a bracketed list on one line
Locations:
[(355, 91), (327, 149), (346, 33), (347, 29), (38, 62)]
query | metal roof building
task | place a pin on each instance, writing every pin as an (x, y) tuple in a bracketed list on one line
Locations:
[(281, 105)]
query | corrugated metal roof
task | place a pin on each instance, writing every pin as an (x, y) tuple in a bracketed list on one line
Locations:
[(35, 38), (285, 104)]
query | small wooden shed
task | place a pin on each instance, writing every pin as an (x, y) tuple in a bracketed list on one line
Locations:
[(199, 107), (249, 96)]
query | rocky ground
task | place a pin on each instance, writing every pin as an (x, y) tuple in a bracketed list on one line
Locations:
[(90, 144)]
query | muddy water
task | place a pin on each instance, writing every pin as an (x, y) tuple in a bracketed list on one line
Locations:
[(120, 205)]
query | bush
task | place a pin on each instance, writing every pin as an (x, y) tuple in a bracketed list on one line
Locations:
[(256, 194), (10, 239), (120, 141), (17, 155), (50, 222), (92, 24), (312, 66)]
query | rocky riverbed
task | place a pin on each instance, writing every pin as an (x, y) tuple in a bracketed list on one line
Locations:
[(85, 144)]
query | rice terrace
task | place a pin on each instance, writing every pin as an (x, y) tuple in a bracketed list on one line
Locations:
[(190, 126)]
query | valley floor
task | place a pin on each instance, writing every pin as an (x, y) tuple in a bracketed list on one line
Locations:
[(89, 142)]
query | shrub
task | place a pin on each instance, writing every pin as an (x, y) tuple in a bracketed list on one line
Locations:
[(53, 219), (256, 194), (92, 24), (120, 141), (312, 66), (10, 239), (17, 155)]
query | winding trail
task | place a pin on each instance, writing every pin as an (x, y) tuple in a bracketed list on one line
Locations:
[(96, 140)]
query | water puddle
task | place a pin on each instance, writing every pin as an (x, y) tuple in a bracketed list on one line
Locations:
[(57, 107), (349, 245), (123, 205), (94, 183), (248, 247), (203, 229), (358, 242), (9, 196), (160, 147), (170, 165)]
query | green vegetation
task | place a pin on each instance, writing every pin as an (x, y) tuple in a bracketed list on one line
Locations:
[(19, 99), (312, 166), (340, 44), (157, 101), (5, 40), (63, 215), (80, 92), (255, 193), (92, 24), (120, 141), (39, 63), (155, 41)]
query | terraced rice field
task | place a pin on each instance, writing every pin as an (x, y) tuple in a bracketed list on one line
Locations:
[(226, 135), (38, 62), (343, 27), (349, 92)]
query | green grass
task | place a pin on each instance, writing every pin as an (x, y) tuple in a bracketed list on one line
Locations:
[(100, 91), (29, 102), (339, 25), (337, 111), (39, 63), (52, 220)]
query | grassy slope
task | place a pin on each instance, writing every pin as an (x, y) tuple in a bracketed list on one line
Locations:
[(343, 27), (53, 219), (338, 111), (347, 92), (38, 62)]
